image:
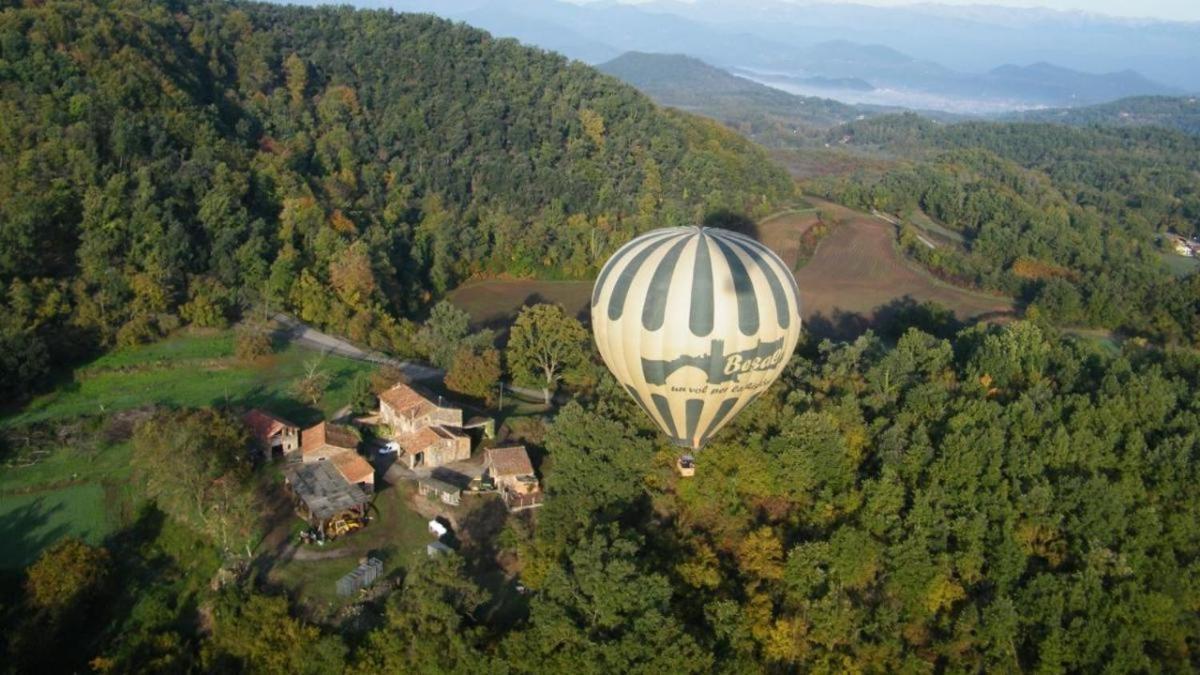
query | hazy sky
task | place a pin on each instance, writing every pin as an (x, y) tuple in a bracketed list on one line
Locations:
[(1177, 10)]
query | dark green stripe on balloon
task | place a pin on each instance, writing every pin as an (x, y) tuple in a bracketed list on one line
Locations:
[(695, 406), (718, 418), (664, 409), (782, 315), (755, 245), (700, 320), (615, 259), (746, 302), (616, 304), (655, 309)]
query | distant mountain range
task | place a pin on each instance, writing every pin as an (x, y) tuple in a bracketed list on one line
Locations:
[(779, 119), (690, 84), (922, 57), (975, 38)]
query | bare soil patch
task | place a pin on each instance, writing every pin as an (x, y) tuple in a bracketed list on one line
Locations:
[(494, 303), (856, 270)]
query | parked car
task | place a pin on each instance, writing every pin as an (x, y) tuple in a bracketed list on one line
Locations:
[(390, 448)]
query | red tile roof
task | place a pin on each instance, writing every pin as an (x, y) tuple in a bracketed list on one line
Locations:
[(510, 461), (354, 468), (263, 425), (405, 400), (325, 435), (424, 437)]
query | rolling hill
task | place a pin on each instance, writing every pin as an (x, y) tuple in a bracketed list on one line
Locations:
[(766, 114)]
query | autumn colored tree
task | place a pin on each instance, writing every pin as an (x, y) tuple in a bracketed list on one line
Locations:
[(251, 341), (475, 373), (67, 575), (257, 633)]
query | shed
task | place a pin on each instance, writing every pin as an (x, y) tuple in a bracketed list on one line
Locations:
[(275, 435), (440, 489), (325, 499), (367, 572)]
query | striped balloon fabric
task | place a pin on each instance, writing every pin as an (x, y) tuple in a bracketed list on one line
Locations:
[(695, 322)]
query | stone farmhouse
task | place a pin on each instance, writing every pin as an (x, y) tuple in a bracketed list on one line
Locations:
[(429, 434)]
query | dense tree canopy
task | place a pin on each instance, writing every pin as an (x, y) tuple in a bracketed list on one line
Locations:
[(178, 161)]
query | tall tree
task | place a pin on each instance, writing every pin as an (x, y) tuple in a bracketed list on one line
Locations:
[(544, 344), (195, 464)]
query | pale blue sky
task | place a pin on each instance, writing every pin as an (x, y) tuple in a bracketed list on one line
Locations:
[(1176, 10)]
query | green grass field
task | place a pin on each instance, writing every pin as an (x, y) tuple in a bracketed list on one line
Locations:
[(30, 522), (67, 465), (56, 490), (191, 370)]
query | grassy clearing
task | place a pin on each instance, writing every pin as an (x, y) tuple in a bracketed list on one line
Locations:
[(1180, 266), (191, 371), (192, 346), (68, 465), (396, 536), (30, 522), (50, 489)]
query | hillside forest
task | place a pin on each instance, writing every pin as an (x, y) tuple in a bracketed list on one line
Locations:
[(176, 163)]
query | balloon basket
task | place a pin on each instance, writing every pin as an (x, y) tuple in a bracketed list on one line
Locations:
[(686, 466)]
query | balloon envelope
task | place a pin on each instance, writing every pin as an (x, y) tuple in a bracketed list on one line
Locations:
[(695, 323)]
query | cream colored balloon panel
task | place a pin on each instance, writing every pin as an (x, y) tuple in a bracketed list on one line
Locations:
[(695, 323)]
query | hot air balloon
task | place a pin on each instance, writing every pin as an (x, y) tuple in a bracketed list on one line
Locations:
[(695, 323)]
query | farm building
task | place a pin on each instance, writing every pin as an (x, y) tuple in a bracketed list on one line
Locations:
[(429, 434), (276, 436), (440, 489), (512, 472), (325, 499), (338, 445), (405, 410), (433, 446)]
